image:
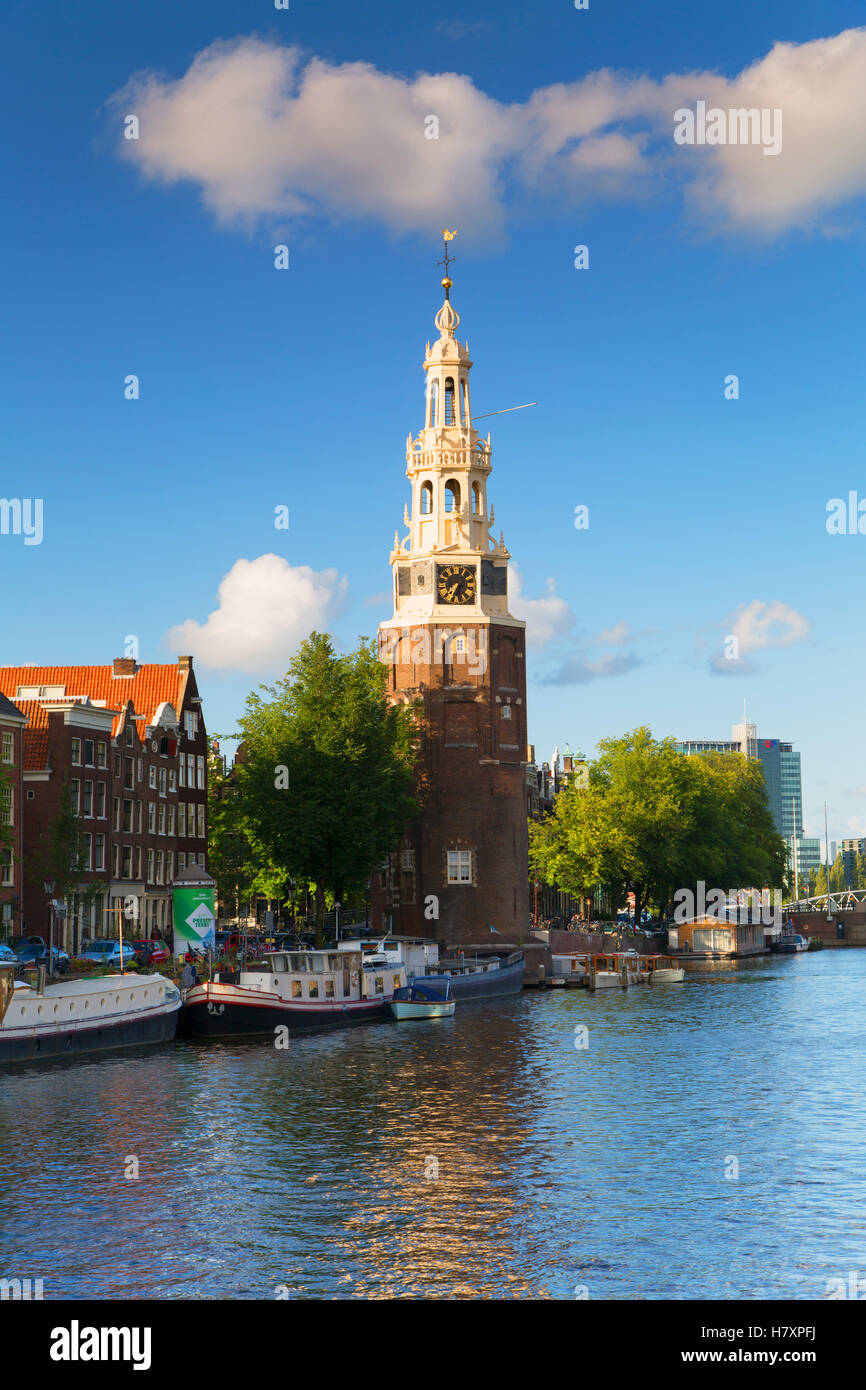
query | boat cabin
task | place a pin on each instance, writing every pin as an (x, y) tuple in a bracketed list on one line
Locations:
[(319, 976)]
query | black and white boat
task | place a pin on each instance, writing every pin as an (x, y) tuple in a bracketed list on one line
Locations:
[(303, 991), (77, 1016)]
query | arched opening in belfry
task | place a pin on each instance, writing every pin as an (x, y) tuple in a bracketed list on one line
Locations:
[(476, 499), (426, 499), (433, 410), (449, 400), (467, 418), (452, 496)]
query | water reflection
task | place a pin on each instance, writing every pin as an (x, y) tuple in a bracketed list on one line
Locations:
[(483, 1156)]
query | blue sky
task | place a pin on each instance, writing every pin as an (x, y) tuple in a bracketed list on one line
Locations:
[(261, 388)]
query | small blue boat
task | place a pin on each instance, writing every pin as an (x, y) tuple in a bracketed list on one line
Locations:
[(430, 997)]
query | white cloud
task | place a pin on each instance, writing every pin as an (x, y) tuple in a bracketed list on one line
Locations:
[(577, 669), (266, 608), (263, 131), (615, 636), (545, 618), (757, 626)]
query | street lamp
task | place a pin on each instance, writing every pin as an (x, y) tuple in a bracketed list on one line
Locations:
[(48, 885)]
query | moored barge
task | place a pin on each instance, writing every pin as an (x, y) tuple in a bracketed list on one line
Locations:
[(89, 1015), (303, 991)]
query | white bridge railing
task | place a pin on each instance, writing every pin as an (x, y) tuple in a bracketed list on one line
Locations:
[(839, 902)]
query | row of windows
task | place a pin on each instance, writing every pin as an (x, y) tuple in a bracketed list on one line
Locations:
[(160, 865), (329, 992), (161, 818), (190, 769)]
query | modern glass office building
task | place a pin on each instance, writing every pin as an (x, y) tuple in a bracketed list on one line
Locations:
[(781, 768)]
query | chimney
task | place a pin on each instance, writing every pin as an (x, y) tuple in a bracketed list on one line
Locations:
[(567, 762), (124, 666), (185, 663)]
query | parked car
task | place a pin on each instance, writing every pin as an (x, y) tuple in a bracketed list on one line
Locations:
[(151, 952), (7, 954), (35, 949), (106, 951)]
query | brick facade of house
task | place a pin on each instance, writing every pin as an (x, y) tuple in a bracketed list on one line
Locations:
[(128, 745), (12, 721)]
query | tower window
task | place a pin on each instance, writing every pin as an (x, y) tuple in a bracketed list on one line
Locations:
[(449, 400), (476, 499), (452, 496), (466, 416), (459, 865), (434, 403), (426, 499)]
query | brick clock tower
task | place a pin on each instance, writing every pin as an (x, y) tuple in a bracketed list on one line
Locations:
[(452, 643)]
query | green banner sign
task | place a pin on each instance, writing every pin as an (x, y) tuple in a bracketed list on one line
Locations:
[(194, 919)]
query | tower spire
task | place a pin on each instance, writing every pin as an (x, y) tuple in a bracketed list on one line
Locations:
[(446, 260)]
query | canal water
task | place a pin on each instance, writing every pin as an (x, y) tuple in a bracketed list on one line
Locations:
[(708, 1141)]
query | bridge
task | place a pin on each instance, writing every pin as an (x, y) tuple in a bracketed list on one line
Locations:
[(849, 899)]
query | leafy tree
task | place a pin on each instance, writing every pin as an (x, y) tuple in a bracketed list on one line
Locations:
[(228, 854), (653, 820), (859, 872), (837, 874), (327, 783), (821, 880), (60, 856)]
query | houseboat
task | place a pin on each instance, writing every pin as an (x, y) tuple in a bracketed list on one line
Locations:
[(717, 938), (304, 991), (661, 970), (614, 971), (42, 1020), (427, 998), (473, 977)]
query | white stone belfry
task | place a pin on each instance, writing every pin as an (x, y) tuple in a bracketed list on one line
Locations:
[(448, 466)]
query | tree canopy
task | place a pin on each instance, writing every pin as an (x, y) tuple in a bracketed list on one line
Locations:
[(652, 820), (325, 785)]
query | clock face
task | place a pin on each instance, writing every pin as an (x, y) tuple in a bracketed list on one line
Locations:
[(455, 584)]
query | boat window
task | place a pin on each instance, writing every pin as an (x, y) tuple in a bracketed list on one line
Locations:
[(299, 965), (335, 963), (280, 964), (329, 989), (396, 981), (380, 985), (297, 989), (313, 992), (317, 963)]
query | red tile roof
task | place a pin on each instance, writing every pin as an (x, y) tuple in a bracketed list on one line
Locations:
[(150, 687)]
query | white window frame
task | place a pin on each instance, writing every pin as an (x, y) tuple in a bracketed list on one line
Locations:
[(459, 867)]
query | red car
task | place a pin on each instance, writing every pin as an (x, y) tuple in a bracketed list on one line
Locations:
[(151, 952)]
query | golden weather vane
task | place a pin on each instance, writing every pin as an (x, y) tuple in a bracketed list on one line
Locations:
[(446, 259)]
